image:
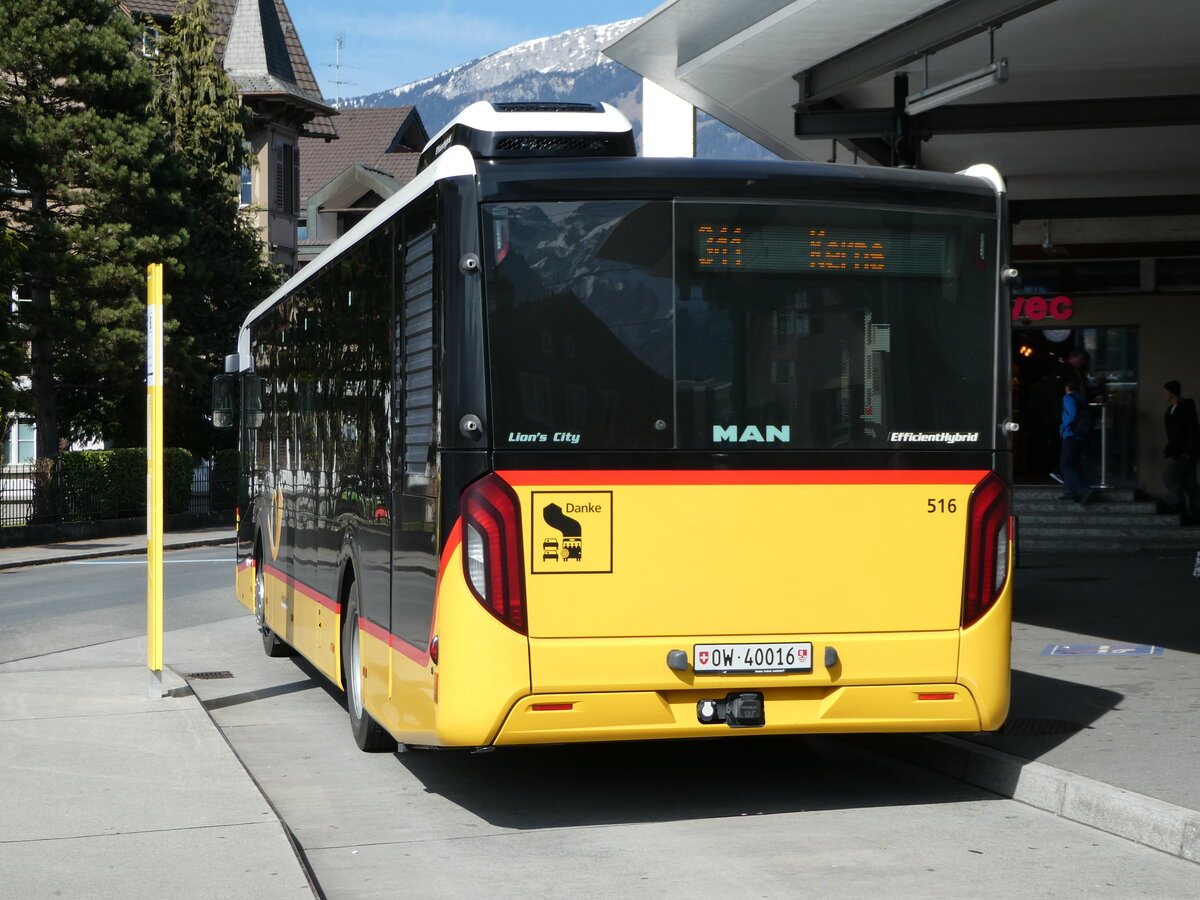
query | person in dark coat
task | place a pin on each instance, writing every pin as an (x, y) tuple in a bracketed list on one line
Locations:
[(1181, 453)]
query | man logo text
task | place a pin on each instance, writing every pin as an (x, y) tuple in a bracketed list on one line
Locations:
[(751, 434)]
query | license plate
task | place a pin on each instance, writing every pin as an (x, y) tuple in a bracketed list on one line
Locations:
[(758, 659)]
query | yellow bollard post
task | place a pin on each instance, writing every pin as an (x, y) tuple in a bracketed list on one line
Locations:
[(154, 478)]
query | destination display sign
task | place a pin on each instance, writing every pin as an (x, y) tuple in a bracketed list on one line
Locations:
[(837, 250)]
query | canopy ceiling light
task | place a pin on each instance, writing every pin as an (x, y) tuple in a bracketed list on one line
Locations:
[(929, 98), (957, 88)]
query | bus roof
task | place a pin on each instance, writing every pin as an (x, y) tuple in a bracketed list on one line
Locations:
[(667, 178)]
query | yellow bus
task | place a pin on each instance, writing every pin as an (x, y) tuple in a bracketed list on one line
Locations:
[(563, 444)]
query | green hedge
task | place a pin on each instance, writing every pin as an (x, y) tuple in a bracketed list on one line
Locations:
[(224, 474), (85, 491), (177, 473), (100, 484)]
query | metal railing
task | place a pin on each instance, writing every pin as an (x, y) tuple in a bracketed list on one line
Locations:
[(41, 493), (17, 494)]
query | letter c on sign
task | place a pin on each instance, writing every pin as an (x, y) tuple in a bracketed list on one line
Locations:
[(1061, 308)]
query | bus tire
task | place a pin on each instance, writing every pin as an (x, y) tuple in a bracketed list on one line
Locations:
[(368, 734), (272, 644)]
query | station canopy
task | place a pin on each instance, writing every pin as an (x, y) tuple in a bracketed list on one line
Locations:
[(1087, 107)]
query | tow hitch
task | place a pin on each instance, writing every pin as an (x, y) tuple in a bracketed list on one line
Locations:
[(740, 710)]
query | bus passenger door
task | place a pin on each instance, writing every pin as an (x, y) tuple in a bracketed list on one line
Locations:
[(368, 285), (415, 469)]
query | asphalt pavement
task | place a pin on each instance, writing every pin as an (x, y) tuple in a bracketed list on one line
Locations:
[(112, 793)]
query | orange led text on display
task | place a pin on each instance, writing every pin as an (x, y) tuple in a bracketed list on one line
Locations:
[(831, 253), (730, 246), (721, 245)]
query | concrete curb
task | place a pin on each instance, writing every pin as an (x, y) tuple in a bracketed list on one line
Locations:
[(1136, 817), (124, 551), (297, 848)]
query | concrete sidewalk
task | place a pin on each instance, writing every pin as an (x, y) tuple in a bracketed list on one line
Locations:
[(110, 794), (69, 551)]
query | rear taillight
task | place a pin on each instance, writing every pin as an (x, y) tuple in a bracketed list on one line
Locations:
[(987, 547), (491, 518)]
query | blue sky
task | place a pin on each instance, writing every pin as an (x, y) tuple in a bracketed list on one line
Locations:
[(387, 43)]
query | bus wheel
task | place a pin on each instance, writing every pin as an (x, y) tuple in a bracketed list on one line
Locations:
[(271, 642), (368, 734)]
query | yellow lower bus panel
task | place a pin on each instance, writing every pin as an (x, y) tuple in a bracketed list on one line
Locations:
[(985, 659), (482, 671), (480, 694), (651, 714), (491, 685)]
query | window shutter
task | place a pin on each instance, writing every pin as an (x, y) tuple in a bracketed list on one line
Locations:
[(279, 175), (419, 388), (296, 178)]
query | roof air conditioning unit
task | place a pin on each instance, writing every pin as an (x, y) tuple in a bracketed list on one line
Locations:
[(535, 129)]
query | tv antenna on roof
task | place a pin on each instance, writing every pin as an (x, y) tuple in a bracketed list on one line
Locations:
[(336, 65)]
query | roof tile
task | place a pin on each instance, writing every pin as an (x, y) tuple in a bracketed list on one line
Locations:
[(365, 137)]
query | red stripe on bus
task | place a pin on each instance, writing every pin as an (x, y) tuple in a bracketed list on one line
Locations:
[(572, 478), (376, 631), (397, 643), (303, 589), (452, 543), (404, 648), (416, 654)]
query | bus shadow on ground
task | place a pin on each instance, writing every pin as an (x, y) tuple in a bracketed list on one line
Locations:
[(661, 781), (1130, 598), (1045, 713)]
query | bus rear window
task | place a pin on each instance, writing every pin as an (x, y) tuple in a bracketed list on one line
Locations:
[(704, 325)]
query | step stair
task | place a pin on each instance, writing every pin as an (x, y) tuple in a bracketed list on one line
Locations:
[(1113, 520)]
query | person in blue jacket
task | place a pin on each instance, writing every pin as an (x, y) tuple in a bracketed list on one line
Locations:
[(1076, 423)]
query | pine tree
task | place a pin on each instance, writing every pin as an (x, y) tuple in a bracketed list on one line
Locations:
[(12, 344), (221, 275), (91, 202)]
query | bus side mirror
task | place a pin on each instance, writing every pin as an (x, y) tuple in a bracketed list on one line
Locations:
[(224, 392), (252, 400)]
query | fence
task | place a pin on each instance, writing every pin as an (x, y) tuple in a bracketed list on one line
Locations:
[(42, 493), (17, 495)]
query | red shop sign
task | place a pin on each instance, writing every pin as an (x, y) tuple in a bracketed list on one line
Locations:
[(1038, 308)]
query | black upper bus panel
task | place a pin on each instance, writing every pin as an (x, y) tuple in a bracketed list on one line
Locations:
[(527, 130), (666, 178)]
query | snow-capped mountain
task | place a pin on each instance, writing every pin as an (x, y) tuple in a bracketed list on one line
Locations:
[(567, 66)]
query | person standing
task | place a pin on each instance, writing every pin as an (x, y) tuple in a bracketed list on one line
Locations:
[(1181, 453), (1079, 361), (1074, 428)]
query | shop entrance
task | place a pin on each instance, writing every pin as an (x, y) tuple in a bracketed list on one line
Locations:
[(1039, 363)]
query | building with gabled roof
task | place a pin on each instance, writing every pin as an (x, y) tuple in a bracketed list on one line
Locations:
[(261, 52), (341, 181)]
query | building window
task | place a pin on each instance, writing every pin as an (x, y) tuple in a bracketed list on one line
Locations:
[(150, 36), (247, 191), (20, 444)]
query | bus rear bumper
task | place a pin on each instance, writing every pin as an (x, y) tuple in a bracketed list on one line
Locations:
[(648, 715)]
